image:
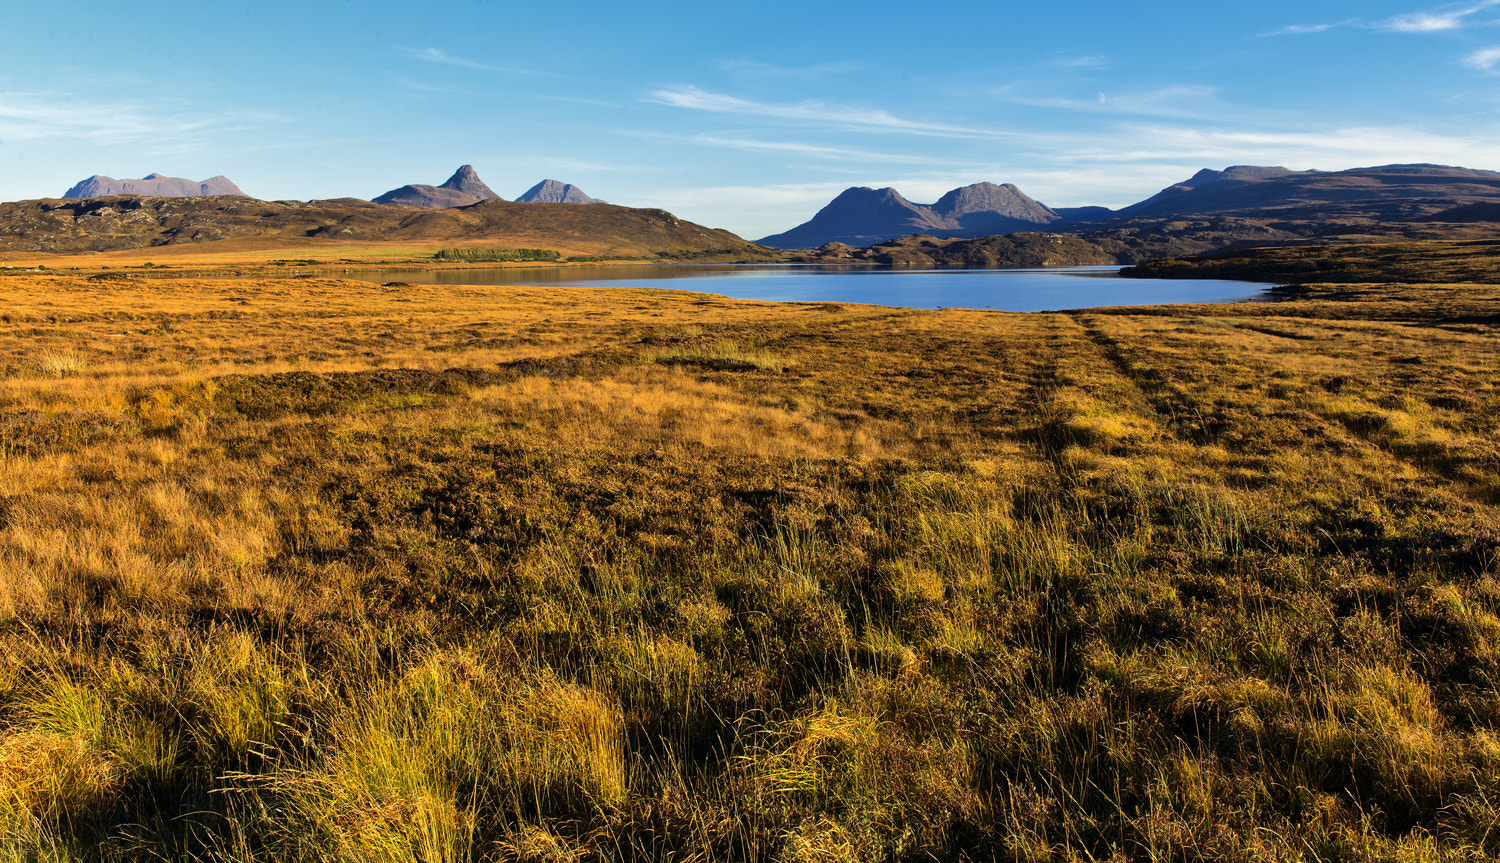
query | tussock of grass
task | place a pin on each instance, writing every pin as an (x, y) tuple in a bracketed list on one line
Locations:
[(316, 570), (59, 364)]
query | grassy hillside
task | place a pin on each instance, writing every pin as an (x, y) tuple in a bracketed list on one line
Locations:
[(321, 570), (209, 225)]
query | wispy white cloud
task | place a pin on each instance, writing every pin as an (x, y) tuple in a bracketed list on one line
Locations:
[(1092, 61), (1484, 60), (443, 58), (1179, 101), (1110, 166), (814, 113), (437, 55), (817, 150), (417, 85), (1435, 21), (1304, 29), (560, 163), (572, 100), (165, 123), (1448, 18), (1329, 149), (751, 69)]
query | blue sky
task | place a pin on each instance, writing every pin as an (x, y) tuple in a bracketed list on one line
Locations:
[(743, 116)]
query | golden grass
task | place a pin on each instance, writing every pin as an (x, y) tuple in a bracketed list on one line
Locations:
[(312, 569)]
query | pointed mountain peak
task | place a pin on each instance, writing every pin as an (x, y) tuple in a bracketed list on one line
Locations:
[(464, 174), (461, 189), (466, 180), (555, 192)]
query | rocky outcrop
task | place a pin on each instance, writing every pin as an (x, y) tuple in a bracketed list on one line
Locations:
[(554, 192), (461, 189), (99, 186)]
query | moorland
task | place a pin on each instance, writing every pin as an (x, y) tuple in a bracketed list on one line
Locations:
[(312, 569), (1429, 260)]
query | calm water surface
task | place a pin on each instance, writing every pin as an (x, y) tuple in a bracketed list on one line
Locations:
[(1008, 290)]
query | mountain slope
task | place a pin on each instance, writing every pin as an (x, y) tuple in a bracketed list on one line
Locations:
[(152, 184), (461, 189), (554, 192)]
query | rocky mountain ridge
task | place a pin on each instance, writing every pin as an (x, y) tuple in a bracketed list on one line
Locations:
[(152, 184)]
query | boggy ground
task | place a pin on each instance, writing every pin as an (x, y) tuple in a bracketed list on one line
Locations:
[(311, 569)]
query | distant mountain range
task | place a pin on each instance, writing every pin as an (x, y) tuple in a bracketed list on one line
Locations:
[(152, 184), (1238, 207), (465, 187), (862, 216), (460, 190)]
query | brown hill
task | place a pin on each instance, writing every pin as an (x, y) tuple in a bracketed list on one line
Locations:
[(131, 222)]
